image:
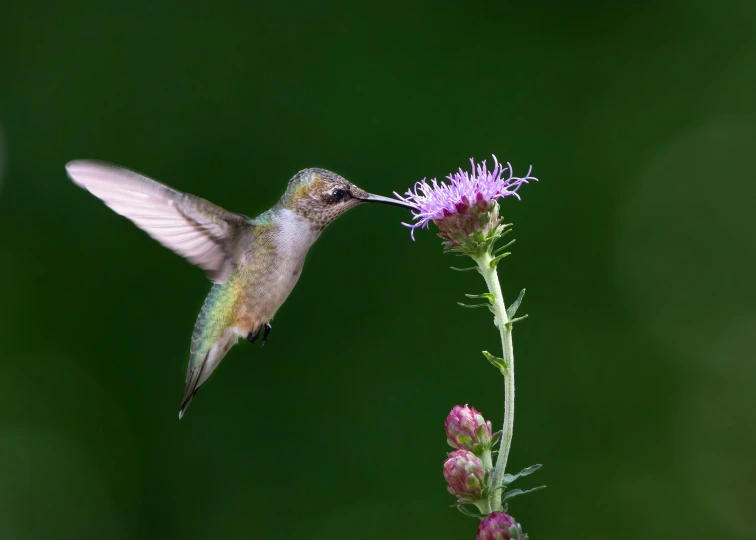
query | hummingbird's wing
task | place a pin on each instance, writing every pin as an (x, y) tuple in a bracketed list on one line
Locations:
[(197, 229)]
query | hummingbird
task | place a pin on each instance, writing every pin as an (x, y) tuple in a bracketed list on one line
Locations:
[(253, 263)]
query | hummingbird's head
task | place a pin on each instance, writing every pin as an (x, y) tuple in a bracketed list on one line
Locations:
[(321, 196)]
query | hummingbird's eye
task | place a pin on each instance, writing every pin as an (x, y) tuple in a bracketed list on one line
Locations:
[(338, 195)]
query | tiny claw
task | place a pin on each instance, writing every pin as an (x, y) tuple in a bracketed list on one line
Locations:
[(268, 328), (252, 336)]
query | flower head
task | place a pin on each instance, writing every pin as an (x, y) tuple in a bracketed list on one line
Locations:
[(459, 207), (499, 526), (465, 475), (467, 429)]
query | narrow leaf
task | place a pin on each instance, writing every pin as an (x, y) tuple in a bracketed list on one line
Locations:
[(466, 512), (463, 269), (517, 319), (502, 248), (496, 259), (487, 296), (516, 304), (527, 471), (517, 492), (472, 305), (499, 363), (496, 437), (509, 478), (512, 494)]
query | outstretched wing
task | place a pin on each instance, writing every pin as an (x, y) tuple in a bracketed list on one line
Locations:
[(197, 229)]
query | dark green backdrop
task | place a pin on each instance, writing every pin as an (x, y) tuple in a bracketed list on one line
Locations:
[(635, 369)]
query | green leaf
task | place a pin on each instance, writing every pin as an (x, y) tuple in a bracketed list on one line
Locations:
[(473, 305), (509, 478), (463, 269), (517, 319), (515, 305), (498, 258), (502, 229), (487, 296), (499, 363), (517, 492), (502, 248)]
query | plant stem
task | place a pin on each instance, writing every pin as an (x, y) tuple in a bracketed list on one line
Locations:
[(501, 320), (486, 459)]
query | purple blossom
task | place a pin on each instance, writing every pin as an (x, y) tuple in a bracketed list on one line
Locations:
[(467, 429), (438, 200), (465, 475), (499, 526)]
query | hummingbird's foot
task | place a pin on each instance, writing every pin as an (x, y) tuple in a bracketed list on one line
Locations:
[(268, 328), (252, 336)]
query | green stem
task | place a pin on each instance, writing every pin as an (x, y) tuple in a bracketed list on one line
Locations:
[(501, 320), (486, 459)]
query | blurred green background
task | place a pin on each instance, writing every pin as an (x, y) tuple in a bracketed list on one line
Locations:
[(636, 367)]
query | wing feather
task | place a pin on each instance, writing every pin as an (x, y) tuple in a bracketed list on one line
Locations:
[(203, 233)]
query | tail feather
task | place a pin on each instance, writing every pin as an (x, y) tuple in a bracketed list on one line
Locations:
[(192, 386), (203, 364), (212, 338)]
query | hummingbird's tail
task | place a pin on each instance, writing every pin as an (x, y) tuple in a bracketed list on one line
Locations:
[(212, 338), (201, 366)]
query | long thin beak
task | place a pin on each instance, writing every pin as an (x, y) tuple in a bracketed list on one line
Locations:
[(386, 200)]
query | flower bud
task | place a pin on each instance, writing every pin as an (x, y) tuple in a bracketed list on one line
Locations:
[(467, 429), (499, 526), (465, 474)]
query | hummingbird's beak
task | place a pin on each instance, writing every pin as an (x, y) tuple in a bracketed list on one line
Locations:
[(385, 200)]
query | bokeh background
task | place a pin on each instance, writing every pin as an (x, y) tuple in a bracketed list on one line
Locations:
[(636, 368)]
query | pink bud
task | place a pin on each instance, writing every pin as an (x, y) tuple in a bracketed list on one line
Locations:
[(499, 526), (467, 429), (465, 474)]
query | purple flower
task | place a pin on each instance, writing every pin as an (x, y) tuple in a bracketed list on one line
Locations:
[(467, 194), (467, 429), (499, 526), (465, 475)]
